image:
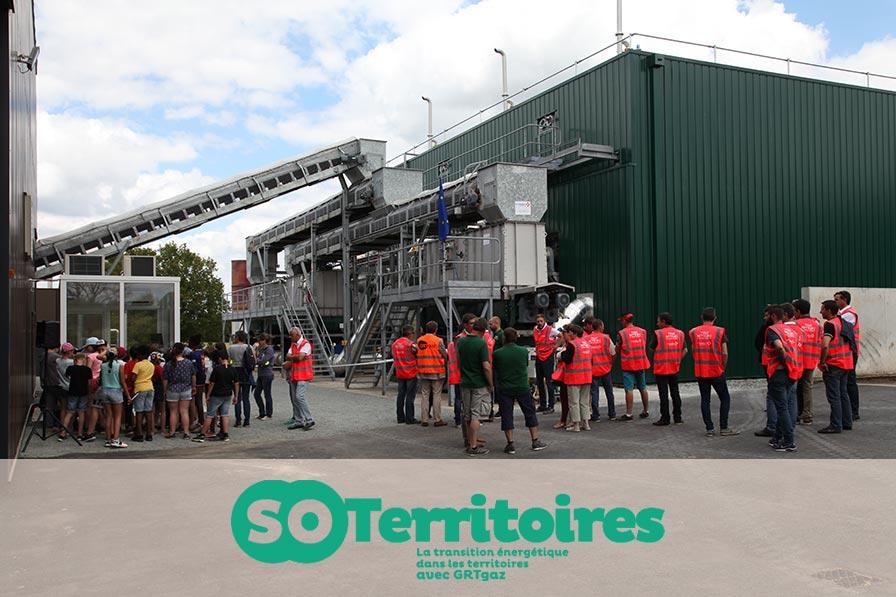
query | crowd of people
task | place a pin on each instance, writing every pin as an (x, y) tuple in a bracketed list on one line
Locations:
[(185, 392), (189, 390), (485, 366)]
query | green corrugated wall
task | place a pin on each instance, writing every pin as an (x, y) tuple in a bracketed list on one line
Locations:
[(737, 188)]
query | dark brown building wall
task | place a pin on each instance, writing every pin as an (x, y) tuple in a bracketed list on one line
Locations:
[(17, 312)]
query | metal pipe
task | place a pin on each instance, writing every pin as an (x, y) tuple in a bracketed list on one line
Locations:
[(504, 94), (619, 35), (429, 138)]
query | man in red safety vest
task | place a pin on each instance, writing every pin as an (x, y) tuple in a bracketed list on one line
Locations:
[(836, 359), (709, 348), (668, 350), (811, 358), (299, 362), (602, 352), (847, 313), (545, 343), (404, 355), (782, 370), (632, 343)]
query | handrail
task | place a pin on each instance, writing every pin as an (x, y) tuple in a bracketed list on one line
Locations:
[(628, 38)]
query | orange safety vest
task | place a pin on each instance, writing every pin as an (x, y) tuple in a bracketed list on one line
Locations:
[(578, 372), (429, 359), (405, 361), (706, 348), (544, 344), (633, 349), (812, 342), (669, 351), (453, 367), (301, 370), (856, 326), (790, 340), (601, 359), (839, 353)]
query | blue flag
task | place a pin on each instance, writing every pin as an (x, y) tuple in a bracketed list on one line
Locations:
[(444, 227)]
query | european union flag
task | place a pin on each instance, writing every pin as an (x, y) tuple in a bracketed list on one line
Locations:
[(444, 227)]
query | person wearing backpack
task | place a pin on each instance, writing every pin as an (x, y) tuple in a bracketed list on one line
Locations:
[(242, 359)]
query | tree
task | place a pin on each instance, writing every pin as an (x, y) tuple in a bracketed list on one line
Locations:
[(202, 299)]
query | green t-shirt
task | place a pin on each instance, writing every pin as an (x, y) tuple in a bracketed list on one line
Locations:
[(472, 351), (499, 338), (511, 369)]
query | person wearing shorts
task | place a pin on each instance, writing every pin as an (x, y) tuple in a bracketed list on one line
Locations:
[(144, 395), (511, 377), (79, 376), (111, 395), (179, 385), (475, 384), (223, 390)]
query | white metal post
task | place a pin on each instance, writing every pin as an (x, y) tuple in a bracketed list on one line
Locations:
[(504, 94), (429, 122), (619, 35)]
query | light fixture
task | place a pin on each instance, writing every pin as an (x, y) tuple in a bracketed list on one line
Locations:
[(30, 61)]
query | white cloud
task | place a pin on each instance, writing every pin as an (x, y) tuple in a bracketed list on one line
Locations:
[(455, 65), (111, 54), (91, 168)]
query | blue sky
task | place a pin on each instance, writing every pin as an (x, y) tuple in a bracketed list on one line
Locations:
[(849, 23), (141, 101)]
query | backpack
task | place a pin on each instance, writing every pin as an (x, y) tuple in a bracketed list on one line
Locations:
[(249, 360)]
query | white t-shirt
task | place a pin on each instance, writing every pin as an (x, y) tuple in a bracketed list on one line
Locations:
[(848, 316)]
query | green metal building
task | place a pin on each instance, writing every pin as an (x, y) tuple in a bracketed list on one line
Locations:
[(735, 188)]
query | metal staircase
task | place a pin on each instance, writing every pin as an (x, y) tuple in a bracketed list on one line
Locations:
[(366, 346), (355, 158), (307, 318)]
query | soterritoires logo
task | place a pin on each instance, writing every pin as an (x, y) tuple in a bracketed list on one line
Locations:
[(308, 521)]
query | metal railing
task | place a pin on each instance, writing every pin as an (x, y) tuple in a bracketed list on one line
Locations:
[(528, 141), (432, 264), (714, 49)]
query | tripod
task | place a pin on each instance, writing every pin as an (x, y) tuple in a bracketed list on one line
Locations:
[(46, 415)]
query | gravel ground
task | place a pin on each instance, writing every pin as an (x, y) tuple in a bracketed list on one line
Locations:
[(360, 423)]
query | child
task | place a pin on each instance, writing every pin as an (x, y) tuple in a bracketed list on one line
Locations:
[(157, 361), (79, 376), (66, 352), (113, 391), (143, 395), (223, 390)]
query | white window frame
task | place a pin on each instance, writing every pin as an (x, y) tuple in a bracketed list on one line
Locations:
[(121, 280)]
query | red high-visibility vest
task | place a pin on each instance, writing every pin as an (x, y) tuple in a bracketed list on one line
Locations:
[(706, 349), (301, 370), (798, 337), (578, 372), (633, 349), (453, 367), (839, 353), (429, 359), (856, 325), (812, 342), (558, 374), (405, 361), (790, 339), (669, 351), (601, 359), (544, 344), (490, 343)]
